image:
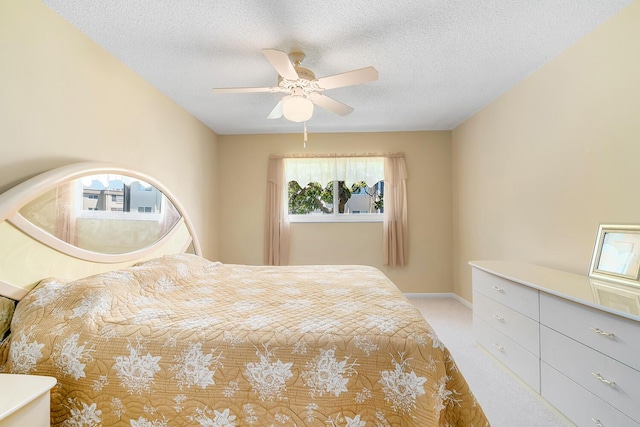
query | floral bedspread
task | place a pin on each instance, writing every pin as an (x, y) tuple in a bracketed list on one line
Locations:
[(181, 341)]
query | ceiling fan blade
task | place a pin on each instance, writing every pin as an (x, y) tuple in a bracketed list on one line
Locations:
[(276, 113), (280, 61), (355, 77), (242, 89), (330, 104)]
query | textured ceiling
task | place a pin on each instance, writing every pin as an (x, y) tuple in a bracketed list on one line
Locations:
[(439, 61)]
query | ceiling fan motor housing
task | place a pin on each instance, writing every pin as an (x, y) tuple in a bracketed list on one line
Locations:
[(303, 74)]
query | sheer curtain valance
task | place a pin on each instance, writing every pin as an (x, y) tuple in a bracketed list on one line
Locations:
[(323, 170)]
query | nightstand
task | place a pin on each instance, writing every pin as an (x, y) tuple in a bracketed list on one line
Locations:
[(24, 400)]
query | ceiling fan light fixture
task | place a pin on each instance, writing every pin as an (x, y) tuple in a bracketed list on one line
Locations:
[(297, 108)]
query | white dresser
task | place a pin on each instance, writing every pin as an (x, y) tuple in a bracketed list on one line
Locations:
[(574, 340)]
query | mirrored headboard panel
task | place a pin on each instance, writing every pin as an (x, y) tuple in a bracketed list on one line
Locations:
[(84, 219)]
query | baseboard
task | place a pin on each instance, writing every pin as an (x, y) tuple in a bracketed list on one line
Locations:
[(440, 295)]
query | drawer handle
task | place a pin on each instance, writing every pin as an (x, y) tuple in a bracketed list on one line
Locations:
[(498, 289), (603, 333), (602, 379), (596, 422), (498, 318), (498, 346)]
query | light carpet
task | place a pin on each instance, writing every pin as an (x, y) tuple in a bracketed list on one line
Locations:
[(505, 401)]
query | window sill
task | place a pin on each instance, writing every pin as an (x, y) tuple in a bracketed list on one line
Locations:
[(336, 218)]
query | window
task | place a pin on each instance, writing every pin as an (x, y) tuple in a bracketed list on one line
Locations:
[(110, 197), (336, 189), (339, 172)]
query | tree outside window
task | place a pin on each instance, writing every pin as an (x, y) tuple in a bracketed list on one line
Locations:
[(316, 199)]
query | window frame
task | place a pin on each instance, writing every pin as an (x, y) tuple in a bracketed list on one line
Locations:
[(364, 217), (335, 216)]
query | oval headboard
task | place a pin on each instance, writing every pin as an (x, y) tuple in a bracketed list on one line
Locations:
[(84, 219)]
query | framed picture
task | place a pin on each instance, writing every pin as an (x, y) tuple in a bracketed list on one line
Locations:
[(616, 254)]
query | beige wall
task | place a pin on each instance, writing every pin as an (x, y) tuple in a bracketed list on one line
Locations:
[(536, 171), (529, 177), (64, 99), (243, 173)]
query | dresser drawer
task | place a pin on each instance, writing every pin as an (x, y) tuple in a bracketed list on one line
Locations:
[(592, 370), (579, 405), (520, 328), (518, 297), (523, 363), (592, 328)]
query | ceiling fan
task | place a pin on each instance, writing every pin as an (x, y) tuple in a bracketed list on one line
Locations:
[(301, 87)]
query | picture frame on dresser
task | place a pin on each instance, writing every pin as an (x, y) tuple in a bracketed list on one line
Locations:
[(616, 254)]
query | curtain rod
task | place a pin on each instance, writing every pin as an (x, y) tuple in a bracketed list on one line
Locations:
[(332, 155)]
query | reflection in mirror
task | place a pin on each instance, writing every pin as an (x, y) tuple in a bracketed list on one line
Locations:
[(109, 214)]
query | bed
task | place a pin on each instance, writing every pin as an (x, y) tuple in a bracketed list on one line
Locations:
[(153, 334)]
